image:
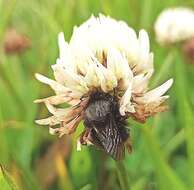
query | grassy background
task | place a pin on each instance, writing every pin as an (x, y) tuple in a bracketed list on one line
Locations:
[(163, 156)]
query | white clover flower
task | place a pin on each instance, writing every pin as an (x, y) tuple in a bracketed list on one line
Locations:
[(174, 25), (103, 74)]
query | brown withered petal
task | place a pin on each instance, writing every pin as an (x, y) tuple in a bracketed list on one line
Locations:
[(15, 42), (145, 111)]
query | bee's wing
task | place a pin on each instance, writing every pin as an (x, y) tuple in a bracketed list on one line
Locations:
[(110, 138)]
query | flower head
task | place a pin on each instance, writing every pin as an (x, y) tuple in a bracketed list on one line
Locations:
[(15, 42), (174, 25), (103, 74)]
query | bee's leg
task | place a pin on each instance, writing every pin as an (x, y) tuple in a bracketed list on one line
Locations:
[(90, 135), (93, 138), (125, 135), (87, 137), (128, 145), (84, 140), (124, 132)]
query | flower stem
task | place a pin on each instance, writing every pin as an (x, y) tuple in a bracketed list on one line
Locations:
[(122, 175)]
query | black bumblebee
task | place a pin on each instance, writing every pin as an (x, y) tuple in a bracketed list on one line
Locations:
[(108, 129)]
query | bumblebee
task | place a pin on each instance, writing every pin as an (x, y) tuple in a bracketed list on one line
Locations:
[(107, 129)]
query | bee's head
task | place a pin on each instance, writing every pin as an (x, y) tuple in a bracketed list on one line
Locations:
[(100, 107)]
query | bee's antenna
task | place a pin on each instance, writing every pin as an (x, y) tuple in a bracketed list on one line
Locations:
[(114, 92), (83, 97)]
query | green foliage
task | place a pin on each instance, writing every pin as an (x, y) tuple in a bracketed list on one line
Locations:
[(6, 182), (163, 155)]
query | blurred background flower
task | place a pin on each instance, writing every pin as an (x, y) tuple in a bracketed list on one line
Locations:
[(163, 156), (174, 25), (15, 42)]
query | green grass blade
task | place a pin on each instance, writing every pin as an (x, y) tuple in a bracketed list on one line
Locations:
[(185, 112), (6, 183), (166, 177)]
